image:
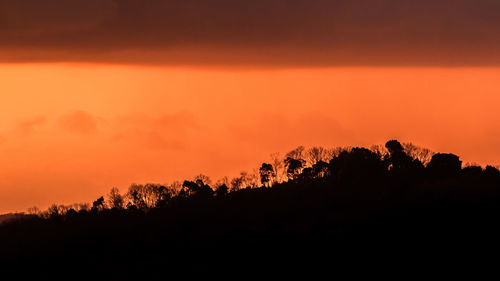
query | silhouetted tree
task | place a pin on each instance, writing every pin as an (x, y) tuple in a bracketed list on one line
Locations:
[(307, 174), (165, 194), (279, 168), (323, 206), (316, 154), (54, 210), (253, 178), (221, 190), (197, 188), (71, 212), (222, 181), (148, 195), (320, 169), (236, 184), (204, 178), (394, 146), (246, 179), (34, 211), (334, 152), (98, 204), (381, 150), (294, 167), (472, 171), (444, 165), (402, 166), (424, 155), (297, 153), (357, 164), (81, 207), (115, 200), (175, 187), (266, 174), (492, 174), (136, 196), (492, 171)]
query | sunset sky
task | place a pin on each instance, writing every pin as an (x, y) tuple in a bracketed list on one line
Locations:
[(103, 93)]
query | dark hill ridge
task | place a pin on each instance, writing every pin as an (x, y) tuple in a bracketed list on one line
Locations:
[(10, 217), (360, 208)]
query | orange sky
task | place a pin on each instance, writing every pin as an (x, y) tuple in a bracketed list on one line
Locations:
[(70, 132)]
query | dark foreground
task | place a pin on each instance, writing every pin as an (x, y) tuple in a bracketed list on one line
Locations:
[(355, 220)]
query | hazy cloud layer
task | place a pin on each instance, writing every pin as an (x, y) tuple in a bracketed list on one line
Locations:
[(260, 32), (275, 132), (27, 126), (79, 122), (166, 132)]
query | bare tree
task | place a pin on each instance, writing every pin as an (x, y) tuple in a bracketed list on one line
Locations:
[(279, 168), (175, 187), (150, 194), (222, 181), (417, 152), (53, 210), (115, 199), (244, 179), (471, 164), (145, 196), (253, 179), (250, 180), (315, 154), (297, 153), (381, 150), (236, 184), (34, 211), (204, 178), (64, 209), (81, 207), (334, 152)]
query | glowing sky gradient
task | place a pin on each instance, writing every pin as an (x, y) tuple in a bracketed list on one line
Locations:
[(103, 93), (69, 132)]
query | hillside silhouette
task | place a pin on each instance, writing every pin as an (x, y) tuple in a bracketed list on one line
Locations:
[(311, 210)]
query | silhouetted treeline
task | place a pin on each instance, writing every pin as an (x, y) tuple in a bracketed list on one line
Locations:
[(310, 208)]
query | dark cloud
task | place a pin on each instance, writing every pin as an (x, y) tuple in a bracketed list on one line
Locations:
[(273, 32)]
